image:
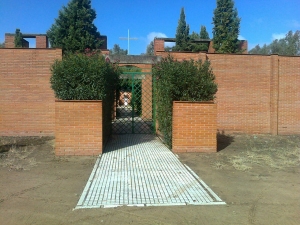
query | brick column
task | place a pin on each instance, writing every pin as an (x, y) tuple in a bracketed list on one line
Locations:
[(211, 47), (9, 41), (274, 90), (78, 127), (159, 45), (194, 127), (42, 41), (147, 97)]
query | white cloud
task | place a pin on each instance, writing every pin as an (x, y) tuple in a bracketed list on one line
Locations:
[(240, 37), (278, 36), (152, 35)]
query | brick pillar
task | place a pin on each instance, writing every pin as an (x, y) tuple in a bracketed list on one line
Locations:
[(147, 97), (42, 41), (78, 127), (244, 46), (159, 45), (274, 89), (194, 127), (9, 41), (211, 47)]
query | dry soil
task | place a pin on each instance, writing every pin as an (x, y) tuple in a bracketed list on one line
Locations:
[(256, 175)]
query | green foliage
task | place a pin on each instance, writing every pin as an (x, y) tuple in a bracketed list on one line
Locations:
[(18, 39), (185, 41), (84, 77), (150, 48), (182, 34), (117, 50), (197, 47), (226, 27), (2, 45), (73, 30), (180, 81), (289, 45), (203, 33)]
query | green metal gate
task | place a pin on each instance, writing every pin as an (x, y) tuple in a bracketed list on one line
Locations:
[(134, 112)]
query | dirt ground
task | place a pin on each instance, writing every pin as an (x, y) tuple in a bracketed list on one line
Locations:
[(256, 175)]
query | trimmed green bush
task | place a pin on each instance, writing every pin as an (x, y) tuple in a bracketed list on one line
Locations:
[(84, 77), (188, 80)]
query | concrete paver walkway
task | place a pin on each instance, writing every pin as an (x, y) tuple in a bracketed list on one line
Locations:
[(138, 170)]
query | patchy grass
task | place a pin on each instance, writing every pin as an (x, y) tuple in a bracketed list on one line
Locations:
[(18, 158), (277, 152)]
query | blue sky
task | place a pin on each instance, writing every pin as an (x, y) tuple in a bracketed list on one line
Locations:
[(262, 20)]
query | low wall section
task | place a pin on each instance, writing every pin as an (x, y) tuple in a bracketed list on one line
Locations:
[(78, 127), (194, 127)]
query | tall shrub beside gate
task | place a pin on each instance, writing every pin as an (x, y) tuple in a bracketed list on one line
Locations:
[(187, 80), (85, 86)]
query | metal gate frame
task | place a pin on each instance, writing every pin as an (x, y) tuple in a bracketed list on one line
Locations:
[(137, 116)]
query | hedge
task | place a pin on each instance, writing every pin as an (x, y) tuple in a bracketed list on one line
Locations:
[(186, 80)]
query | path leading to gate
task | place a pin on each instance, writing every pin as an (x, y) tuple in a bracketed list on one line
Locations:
[(138, 170)]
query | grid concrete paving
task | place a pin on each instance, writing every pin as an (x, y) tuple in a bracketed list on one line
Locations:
[(138, 170)]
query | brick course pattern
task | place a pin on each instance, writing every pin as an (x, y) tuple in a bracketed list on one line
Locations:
[(289, 95), (256, 93), (78, 128), (26, 99), (194, 127)]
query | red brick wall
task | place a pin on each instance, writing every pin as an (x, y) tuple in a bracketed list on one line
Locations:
[(78, 127), (26, 99), (9, 41), (243, 97), (256, 93), (289, 95), (41, 41), (194, 127), (180, 55)]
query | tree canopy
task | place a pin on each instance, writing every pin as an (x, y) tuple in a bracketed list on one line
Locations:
[(197, 47), (18, 39), (182, 34), (150, 48), (117, 50), (186, 41), (226, 27), (73, 30), (289, 45)]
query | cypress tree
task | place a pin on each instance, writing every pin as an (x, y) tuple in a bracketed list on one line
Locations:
[(18, 39), (182, 34), (203, 33), (226, 27), (197, 47), (73, 30)]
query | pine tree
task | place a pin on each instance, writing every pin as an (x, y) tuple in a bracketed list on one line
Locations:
[(150, 49), (182, 34), (197, 47), (73, 30), (18, 39), (226, 27), (117, 50), (289, 45), (203, 33)]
